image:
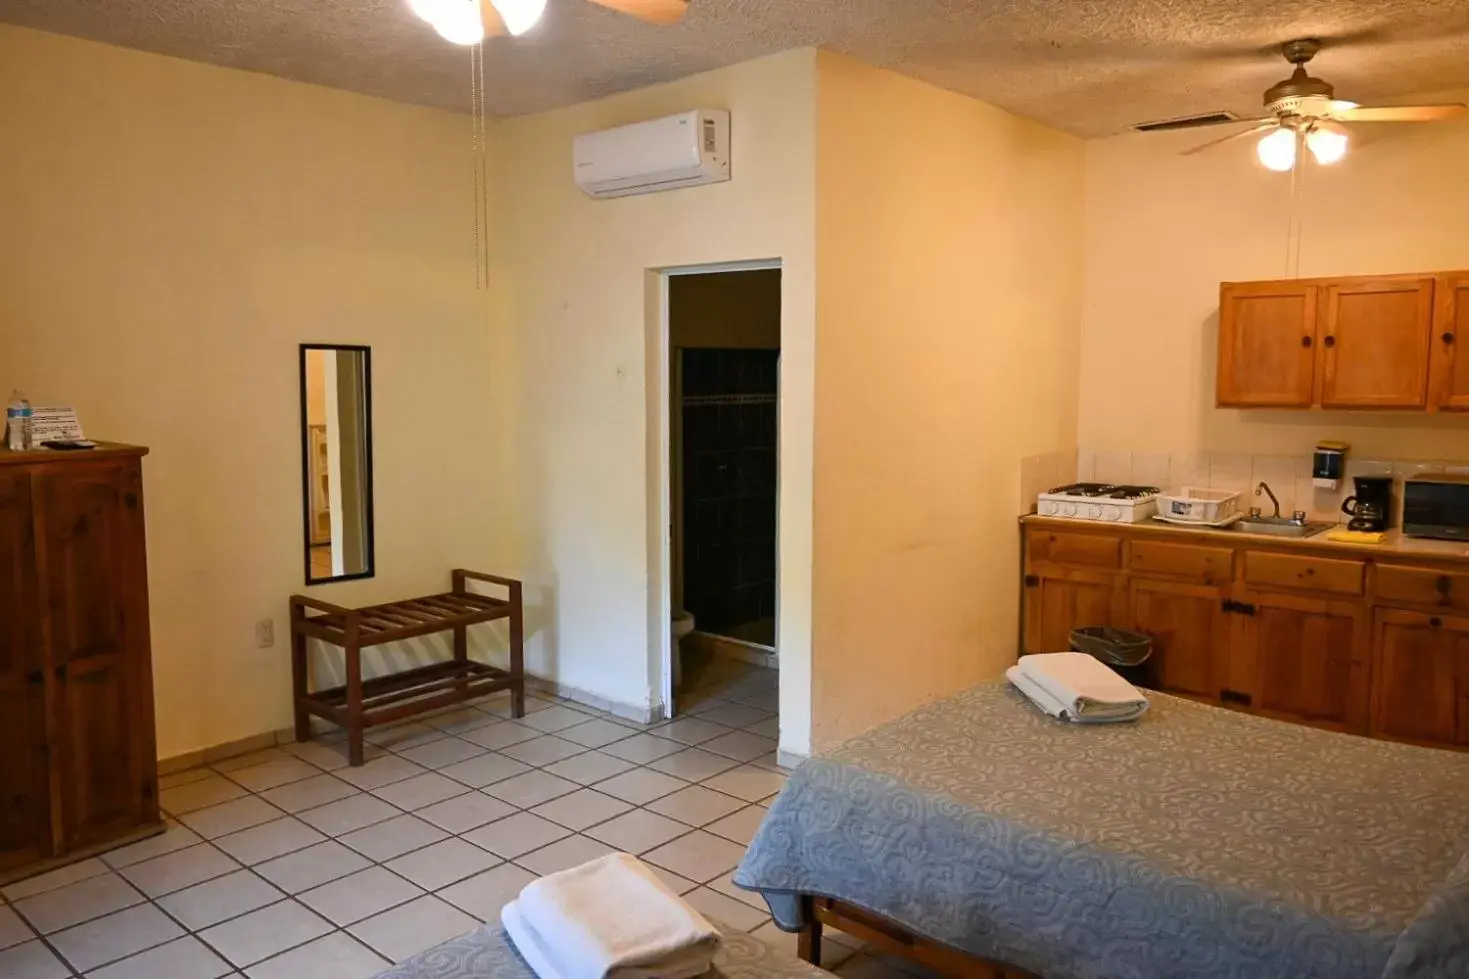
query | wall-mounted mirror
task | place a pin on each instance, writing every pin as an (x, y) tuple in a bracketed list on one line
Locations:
[(336, 457)]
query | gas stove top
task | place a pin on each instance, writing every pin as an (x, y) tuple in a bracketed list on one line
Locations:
[(1116, 502)]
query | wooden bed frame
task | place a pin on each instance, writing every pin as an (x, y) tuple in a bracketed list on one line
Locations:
[(825, 912), (361, 704)]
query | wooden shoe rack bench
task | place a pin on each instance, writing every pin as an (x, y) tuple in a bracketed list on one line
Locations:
[(361, 704)]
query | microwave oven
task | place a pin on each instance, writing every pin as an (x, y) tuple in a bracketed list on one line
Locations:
[(1436, 506)]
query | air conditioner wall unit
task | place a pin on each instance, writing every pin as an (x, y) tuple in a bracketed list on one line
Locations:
[(683, 150)]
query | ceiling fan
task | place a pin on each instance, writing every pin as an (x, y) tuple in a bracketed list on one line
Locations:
[(1303, 109), (471, 21)]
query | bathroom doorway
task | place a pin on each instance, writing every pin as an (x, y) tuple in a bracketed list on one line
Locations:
[(723, 413)]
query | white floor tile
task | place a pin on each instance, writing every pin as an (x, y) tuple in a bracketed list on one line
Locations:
[(484, 770), (464, 719), (393, 837), (269, 840), (698, 856), (345, 815), (312, 867), (555, 718), (747, 782), (415, 927), (696, 805), (589, 767), (309, 793), (725, 885), (248, 760), (501, 735), (580, 809), (483, 895), (336, 956), (328, 755), (691, 730), (465, 812), (677, 884), (184, 958), (443, 863), (115, 937), (737, 914), (419, 791), (220, 899), (175, 871), (401, 737), (739, 827), (593, 733), (640, 786), (277, 771), (693, 764), (51, 880), (740, 745), (230, 817), (176, 837), (531, 789), (543, 751), (735, 715), (563, 855), (261, 934), (643, 748), (13, 930), (517, 834), (443, 753), (75, 903), (379, 772), (359, 896), (201, 794), (175, 779), (637, 831), (31, 961)]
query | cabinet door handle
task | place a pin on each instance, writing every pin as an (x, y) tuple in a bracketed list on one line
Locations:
[(1445, 584), (1306, 341), (1447, 338), (36, 677), (1435, 623), (1330, 341)]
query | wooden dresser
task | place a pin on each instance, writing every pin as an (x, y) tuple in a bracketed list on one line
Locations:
[(1367, 639), (78, 767)]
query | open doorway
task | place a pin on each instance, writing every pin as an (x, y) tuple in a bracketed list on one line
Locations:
[(724, 357)]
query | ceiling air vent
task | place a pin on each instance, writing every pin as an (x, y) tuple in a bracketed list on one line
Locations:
[(1186, 122)]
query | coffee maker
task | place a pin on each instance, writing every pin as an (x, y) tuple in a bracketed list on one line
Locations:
[(1370, 507)]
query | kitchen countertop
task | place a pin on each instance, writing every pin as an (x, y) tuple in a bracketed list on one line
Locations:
[(1395, 546)]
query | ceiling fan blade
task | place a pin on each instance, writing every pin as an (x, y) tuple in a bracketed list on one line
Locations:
[(490, 17), (653, 11), (1401, 113), (1259, 128)]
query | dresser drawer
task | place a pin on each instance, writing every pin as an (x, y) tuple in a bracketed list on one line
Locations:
[(1422, 586), (1210, 565), (1082, 550), (1310, 573)]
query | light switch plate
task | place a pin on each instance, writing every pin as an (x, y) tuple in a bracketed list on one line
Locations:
[(265, 633)]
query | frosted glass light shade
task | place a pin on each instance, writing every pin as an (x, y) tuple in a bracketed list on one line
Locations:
[(1277, 149), (519, 15)]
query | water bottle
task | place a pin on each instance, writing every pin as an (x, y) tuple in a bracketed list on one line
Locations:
[(18, 422)]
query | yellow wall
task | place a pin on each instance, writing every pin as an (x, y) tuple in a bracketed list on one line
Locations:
[(1162, 232), (171, 232), (576, 316), (949, 249)]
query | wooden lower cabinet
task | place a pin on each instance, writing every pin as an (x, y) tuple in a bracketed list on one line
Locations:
[(1421, 685), (1304, 658), (1064, 600), (1190, 635)]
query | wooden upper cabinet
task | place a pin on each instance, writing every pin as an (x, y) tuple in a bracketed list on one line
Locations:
[(1374, 340), (1267, 344), (1450, 361)]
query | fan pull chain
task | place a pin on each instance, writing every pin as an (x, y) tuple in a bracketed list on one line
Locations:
[(478, 166)]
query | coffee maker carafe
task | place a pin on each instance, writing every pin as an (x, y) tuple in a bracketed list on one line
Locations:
[(1370, 507)]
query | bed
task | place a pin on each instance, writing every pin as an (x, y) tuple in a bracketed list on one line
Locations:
[(1195, 842)]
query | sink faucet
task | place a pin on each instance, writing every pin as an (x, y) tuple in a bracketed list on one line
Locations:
[(1265, 488)]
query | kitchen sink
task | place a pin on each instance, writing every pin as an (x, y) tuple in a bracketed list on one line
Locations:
[(1280, 526)]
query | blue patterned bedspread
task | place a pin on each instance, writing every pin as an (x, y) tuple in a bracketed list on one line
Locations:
[(1196, 842)]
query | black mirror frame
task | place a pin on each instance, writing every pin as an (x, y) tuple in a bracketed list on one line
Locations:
[(371, 543)]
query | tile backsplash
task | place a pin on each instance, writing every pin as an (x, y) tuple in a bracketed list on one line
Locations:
[(1289, 476)]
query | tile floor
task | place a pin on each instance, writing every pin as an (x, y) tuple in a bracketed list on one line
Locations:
[(288, 863)]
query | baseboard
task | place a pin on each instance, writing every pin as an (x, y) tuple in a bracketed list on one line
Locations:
[(788, 759), (258, 742)]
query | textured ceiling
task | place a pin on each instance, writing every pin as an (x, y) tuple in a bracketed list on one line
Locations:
[(1092, 67)]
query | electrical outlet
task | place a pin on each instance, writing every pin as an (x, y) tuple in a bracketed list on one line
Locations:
[(265, 633)]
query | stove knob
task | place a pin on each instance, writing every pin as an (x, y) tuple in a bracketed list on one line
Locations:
[(1114, 513), (1094, 511), (1068, 509), (1046, 508)]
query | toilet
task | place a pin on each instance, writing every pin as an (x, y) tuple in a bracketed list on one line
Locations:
[(683, 624)]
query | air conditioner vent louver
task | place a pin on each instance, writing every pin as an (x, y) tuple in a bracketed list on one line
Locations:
[(1186, 122)]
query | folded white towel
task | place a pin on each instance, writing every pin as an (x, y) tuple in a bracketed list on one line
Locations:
[(1077, 687), (609, 919)]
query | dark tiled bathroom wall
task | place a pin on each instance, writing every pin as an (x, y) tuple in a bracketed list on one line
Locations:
[(729, 457)]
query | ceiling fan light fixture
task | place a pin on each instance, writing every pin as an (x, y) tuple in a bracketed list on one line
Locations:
[(520, 15), (1277, 149), (457, 21), (1327, 142)]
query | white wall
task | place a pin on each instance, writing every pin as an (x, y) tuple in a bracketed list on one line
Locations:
[(572, 339)]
